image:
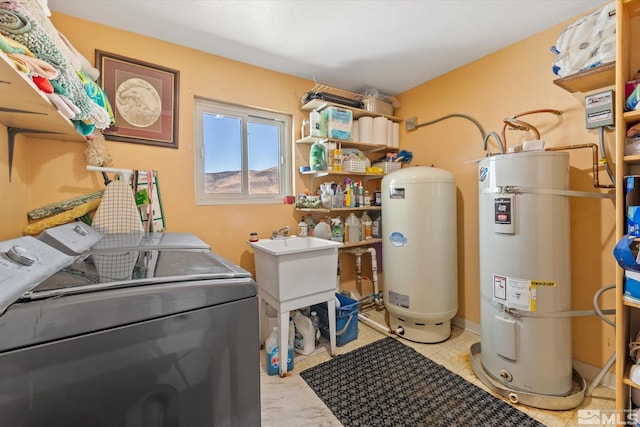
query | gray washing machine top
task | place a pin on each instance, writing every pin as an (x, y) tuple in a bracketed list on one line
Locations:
[(72, 280)]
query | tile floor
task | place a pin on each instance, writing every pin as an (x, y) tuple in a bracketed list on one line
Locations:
[(289, 402)]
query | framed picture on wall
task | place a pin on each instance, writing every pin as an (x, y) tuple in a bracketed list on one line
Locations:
[(144, 99)]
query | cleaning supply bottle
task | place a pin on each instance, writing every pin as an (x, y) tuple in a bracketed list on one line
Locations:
[(360, 194), (366, 226), (376, 226), (315, 321), (354, 195), (337, 197), (337, 159), (337, 233), (311, 224), (353, 227), (318, 157), (305, 339), (271, 352), (322, 230), (292, 338), (303, 228), (347, 192)]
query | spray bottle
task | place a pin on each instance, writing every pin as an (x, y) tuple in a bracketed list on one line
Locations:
[(337, 233)]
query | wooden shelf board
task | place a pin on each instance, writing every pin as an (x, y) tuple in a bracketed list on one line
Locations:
[(632, 160), (633, 7), (631, 117), (319, 104), (323, 210), (588, 80), (361, 243)]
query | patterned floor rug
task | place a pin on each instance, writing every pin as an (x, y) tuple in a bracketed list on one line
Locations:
[(387, 383)]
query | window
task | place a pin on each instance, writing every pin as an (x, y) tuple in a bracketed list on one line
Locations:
[(243, 155)]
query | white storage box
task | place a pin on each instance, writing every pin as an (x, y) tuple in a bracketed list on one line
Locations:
[(377, 105), (352, 165), (388, 166)]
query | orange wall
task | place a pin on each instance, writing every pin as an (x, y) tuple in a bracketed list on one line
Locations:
[(515, 80), (55, 170), (508, 82)]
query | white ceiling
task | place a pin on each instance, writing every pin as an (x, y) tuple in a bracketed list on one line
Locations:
[(388, 45)]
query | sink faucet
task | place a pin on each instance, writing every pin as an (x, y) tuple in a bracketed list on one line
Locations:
[(281, 233)]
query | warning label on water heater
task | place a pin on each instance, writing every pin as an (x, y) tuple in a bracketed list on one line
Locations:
[(514, 293), (396, 193)]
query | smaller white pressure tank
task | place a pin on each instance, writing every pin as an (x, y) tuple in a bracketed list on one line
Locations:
[(419, 249)]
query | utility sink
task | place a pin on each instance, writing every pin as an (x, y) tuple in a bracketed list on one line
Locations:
[(295, 267)]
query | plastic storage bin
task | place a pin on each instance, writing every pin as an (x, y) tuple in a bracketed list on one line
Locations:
[(346, 319), (388, 167)]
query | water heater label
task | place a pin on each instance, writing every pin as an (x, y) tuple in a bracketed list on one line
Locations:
[(514, 293), (397, 239), (401, 300), (503, 214), (396, 193)]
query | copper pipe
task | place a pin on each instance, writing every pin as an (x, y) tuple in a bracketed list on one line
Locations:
[(519, 125), (594, 149), (512, 118)]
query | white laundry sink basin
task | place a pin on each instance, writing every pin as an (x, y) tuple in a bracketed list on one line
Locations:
[(295, 267)]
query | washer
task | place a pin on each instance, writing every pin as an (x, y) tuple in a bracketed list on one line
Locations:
[(125, 330)]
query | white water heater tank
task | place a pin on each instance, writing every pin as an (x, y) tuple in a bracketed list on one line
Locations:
[(525, 280), (419, 249)]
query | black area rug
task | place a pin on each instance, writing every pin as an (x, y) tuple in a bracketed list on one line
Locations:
[(387, 383)]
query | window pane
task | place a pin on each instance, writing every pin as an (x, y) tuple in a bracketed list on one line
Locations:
[(264, 155), (222, 154)]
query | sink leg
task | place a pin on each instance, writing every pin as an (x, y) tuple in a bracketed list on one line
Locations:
[(331, 312), (262, 320), (283, 341)]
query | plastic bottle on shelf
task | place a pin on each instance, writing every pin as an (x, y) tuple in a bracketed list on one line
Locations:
[(271, 353), (318, 157), (337, 232), (347, 193), (315, 321), (292, 339), (305, 339), (337, 197), (330, 146), (303, 228), (322, 230), (337, 159), (354, 195), (360, 194), (354, 227), (376, 226), (366, 226), (311, 224)]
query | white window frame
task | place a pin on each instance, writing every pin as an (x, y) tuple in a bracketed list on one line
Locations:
[(206, 106)]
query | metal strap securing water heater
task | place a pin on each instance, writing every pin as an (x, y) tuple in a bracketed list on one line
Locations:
[(513, 189), (556, 314)]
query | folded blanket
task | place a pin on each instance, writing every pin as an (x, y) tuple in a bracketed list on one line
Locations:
[(36, 66), (16, 23), (86, 66), (98, 95), (9, 45)]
